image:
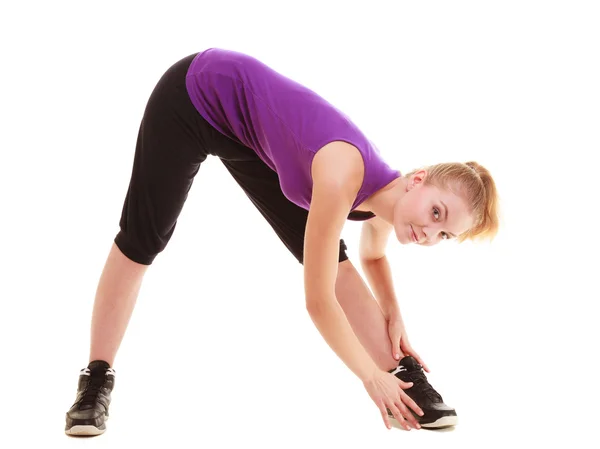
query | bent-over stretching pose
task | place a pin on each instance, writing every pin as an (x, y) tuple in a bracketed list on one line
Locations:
[(307, 168)]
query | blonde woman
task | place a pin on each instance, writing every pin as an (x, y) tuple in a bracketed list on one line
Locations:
[(308, 169)]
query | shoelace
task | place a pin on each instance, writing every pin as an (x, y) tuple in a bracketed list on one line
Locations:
[(420, 381), (92, 389)]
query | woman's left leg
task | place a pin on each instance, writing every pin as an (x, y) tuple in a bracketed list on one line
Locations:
[(364, 315), (288, 220), (261, 184)]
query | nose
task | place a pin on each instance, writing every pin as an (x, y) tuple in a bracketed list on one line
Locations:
[(425, 231), (430, 233)]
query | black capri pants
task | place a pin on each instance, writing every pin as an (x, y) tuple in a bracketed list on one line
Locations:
[(172, 142)]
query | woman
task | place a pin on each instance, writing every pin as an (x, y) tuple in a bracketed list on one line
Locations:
[(307, 168)]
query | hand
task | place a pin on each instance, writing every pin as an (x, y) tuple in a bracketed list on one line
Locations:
[(400, 341), (386, 390)]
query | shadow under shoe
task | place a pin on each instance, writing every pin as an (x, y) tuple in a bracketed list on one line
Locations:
[(88, 414), (436, 415)]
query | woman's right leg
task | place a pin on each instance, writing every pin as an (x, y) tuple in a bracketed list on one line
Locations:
[(171, 146)]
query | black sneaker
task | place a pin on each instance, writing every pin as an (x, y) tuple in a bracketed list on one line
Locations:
[(87, 415), (436, 414)]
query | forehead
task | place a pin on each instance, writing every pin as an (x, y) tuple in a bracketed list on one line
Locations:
[(459, 216)]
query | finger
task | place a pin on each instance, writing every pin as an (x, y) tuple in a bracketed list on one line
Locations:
[(406, 399), (395, 346), (404, 385), (384, 415), (410, 418), (399, 416)]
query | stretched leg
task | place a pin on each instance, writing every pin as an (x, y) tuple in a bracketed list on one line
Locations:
[(288, 220), (170, 148), (364, 315)]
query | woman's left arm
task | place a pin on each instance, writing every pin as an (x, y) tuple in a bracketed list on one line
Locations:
[(374, 237), (373, 241)]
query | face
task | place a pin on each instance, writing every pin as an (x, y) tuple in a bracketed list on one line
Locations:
[(426, 214)]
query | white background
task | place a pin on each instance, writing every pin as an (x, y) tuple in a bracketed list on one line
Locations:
[(220, 351)]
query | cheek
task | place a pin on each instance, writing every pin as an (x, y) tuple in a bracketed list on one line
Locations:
[(412, 208), (414, 211)]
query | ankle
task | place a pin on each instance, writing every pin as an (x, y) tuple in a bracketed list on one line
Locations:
[(108, 360), (389, 363)]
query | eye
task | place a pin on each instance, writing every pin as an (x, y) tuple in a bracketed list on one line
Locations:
[(445, 236), (436, 213)]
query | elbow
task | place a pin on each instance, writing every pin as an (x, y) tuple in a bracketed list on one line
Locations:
[(366, 259), (317, 306), (312, 306), (366, 262)]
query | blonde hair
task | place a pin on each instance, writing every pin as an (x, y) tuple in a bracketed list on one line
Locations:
[(475, 184)]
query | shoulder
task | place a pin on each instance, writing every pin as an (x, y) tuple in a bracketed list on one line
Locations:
[(338, 165)]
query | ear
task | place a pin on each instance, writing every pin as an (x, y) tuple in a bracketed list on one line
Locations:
[(415, 179)]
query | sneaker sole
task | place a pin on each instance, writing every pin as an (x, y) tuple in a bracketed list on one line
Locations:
[(87, 430), (84, 431), (443, 422)]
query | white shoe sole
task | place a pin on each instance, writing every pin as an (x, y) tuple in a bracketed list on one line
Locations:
[(444, 421), (82, 431)]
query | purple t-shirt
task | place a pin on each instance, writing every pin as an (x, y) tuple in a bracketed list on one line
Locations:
[(284, 122)]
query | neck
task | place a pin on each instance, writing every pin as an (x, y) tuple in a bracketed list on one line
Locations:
[(382, 202)]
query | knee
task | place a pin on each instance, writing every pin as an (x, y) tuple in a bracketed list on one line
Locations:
[(137, 249)]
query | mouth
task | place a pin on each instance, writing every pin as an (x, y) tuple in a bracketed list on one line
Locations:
[(413, 235)]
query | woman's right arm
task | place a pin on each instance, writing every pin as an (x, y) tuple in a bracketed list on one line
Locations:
[(337, 176), (330, 205)]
